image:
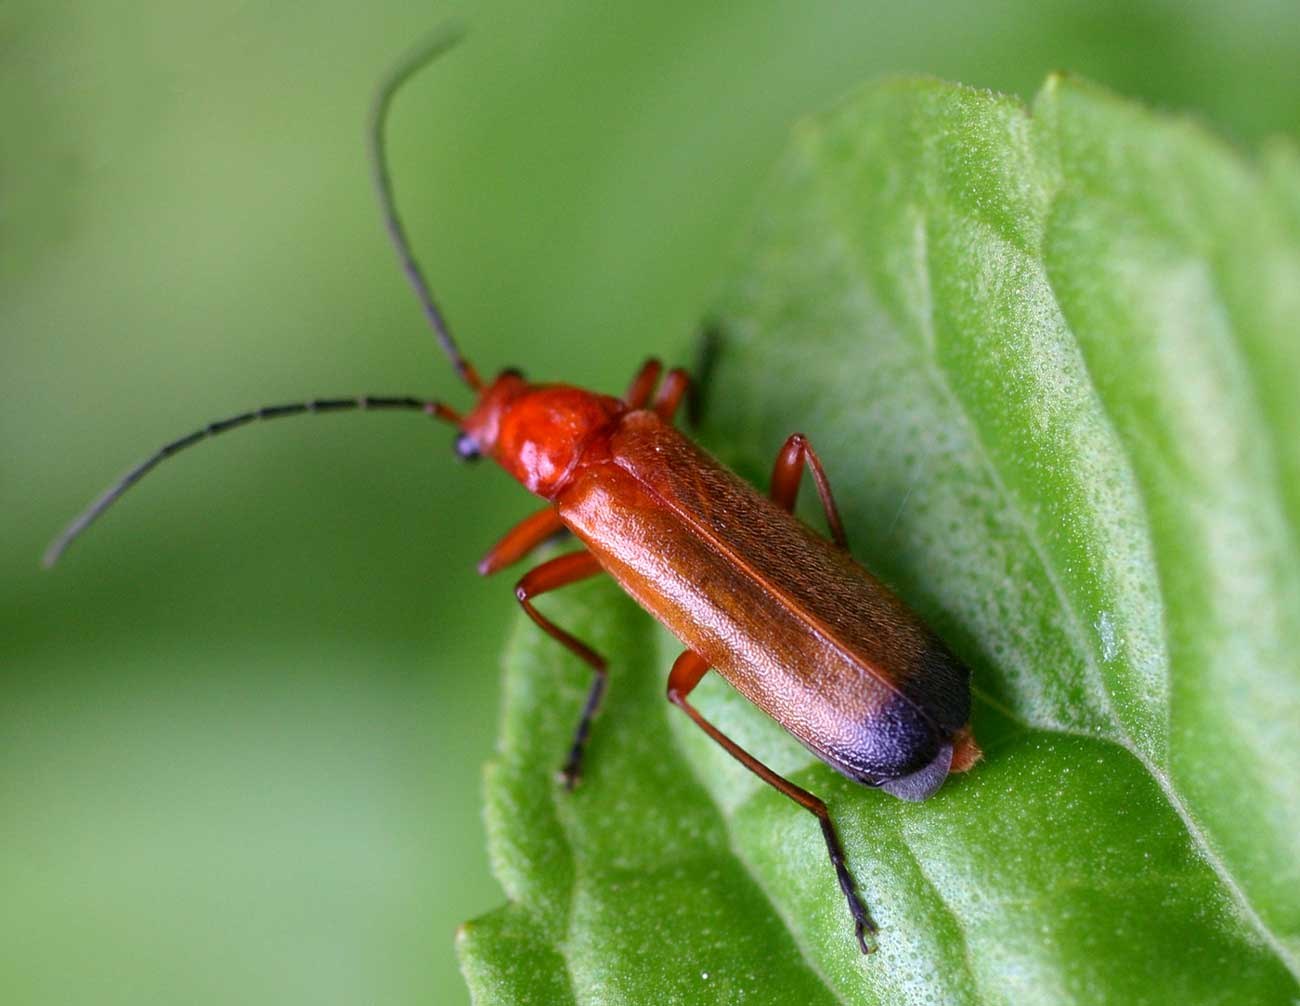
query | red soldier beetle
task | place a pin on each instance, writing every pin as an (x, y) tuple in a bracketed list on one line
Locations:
[(785, 615)]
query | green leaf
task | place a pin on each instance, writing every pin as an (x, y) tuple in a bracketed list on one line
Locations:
[(1050, 359)]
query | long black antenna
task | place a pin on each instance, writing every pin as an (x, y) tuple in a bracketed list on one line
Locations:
[(432, 47), (111, 495), (436, 44)]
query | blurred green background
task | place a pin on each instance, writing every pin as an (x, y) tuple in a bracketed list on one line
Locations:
[(241, 725)]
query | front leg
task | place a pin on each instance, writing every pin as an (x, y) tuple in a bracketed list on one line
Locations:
[(671, 391), (643, 385), (521, 539), (552, 575)]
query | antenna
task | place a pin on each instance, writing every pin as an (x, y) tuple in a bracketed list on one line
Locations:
[(115, 491), (418, 58), (436, 44)]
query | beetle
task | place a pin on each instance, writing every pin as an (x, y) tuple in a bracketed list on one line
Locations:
[(785, 615)]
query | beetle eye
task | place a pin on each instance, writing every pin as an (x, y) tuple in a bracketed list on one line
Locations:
[(466, 449), (512, 372)]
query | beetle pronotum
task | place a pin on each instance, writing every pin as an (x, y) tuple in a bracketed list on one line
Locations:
[(786, 616)]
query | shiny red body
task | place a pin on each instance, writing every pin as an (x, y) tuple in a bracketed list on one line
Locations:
[(789, 619)]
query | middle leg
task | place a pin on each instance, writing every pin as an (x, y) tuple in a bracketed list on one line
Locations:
[(787, 474)]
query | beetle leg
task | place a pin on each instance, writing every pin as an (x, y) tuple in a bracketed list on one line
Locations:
[(552, 575), (671, 393), (638, 393), (787, 473), (687, 671), (521, 539)]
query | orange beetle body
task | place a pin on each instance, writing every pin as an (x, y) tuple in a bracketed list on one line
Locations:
[(791, 621)]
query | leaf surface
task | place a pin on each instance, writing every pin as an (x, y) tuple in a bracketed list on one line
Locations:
[(1050, 358)]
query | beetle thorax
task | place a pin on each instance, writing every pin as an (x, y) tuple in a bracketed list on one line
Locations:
[(539, 433)]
